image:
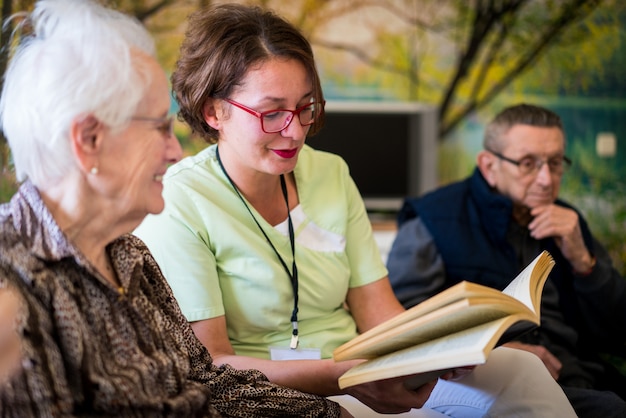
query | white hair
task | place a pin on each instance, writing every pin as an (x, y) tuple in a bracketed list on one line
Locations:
[(76, 62)]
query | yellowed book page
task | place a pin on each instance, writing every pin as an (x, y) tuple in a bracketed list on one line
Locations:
[(449, 296), (447, 320), (465, 348), (527, 287), (438, 315)]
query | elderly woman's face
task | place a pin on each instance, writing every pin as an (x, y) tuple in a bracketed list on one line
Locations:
[(137, 158)]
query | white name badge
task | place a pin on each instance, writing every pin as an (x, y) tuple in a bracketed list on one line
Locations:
[(286, 353)]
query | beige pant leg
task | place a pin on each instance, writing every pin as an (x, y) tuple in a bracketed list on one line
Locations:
[(513, 383), (360, 410)]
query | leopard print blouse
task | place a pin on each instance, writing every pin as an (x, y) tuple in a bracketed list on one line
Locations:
[(91, 349)]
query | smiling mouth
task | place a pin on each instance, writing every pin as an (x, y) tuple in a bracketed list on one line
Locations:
[(289, 153)]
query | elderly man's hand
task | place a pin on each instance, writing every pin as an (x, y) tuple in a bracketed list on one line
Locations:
[(551, 362), (562, 224)]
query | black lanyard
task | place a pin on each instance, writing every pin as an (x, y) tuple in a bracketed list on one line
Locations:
[(293, 275)]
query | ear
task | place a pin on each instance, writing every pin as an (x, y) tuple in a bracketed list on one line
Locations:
[(212, 113), (486, 163), (86, 134)]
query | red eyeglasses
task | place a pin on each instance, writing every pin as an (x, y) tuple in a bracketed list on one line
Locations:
[(276, 120)]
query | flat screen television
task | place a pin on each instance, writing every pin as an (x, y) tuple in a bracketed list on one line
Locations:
[(390, 147)]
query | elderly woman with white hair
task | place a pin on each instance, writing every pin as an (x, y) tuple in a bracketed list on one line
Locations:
[(85, 110)]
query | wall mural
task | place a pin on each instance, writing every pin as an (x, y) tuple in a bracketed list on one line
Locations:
[(468, 60)]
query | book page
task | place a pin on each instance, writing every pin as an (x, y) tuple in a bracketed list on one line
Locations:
[(465, 348), (461, 315), (447, 297), (528, 285)]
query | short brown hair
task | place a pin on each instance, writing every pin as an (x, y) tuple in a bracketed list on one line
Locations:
[(521, 114), (221, 44)]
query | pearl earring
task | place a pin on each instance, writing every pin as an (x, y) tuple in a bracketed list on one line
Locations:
[(94, 170)]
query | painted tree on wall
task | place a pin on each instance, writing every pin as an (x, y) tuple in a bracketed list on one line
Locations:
[(456, 54), (460, 54)]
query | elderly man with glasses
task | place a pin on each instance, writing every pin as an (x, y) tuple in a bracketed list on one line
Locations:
[(486, 228)]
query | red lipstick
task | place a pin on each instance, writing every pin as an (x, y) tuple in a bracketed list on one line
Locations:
[(286, 153)]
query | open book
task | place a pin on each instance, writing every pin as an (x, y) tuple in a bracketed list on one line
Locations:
[(457, 327)]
